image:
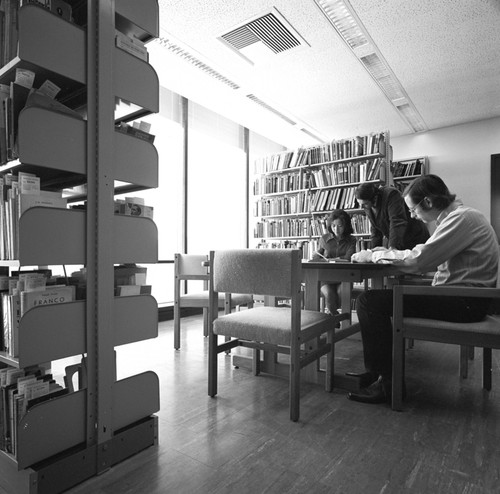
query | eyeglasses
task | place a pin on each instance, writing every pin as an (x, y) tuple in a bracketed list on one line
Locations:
[(412, 210)]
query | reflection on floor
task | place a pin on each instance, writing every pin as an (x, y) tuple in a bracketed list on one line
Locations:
[(446, 440)]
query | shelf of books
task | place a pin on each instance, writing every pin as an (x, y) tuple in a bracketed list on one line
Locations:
[(294, 191), (404, 171), (68, 143)]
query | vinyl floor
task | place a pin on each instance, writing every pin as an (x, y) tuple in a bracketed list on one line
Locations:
[(447, 439)]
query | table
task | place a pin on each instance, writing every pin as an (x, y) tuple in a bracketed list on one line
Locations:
[(313, 274), (346, 273)]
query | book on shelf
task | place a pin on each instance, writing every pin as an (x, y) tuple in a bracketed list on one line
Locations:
[(9, 30), (40, 99), (128, 290), (20, 390), (49, 295), (4, 94), (130, 274), (135, 130), (132, 45), (133, 206)]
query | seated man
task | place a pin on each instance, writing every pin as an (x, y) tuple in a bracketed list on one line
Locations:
[(464, 247)]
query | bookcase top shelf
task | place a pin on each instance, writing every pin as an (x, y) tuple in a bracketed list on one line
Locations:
[(354, 159)]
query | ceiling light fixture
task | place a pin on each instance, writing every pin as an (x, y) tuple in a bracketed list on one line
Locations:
[(181, 52), (352, 31)]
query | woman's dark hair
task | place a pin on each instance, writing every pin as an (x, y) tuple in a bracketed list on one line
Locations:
[(432, 187), (340, 214), (367, 191)]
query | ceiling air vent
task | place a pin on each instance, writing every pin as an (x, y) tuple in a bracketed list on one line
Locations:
[(269, 31)]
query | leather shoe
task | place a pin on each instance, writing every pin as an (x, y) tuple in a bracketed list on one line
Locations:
[(377, 392), (365, 378)]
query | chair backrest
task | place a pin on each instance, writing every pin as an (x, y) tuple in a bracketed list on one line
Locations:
[(191, 266), (264, 271)]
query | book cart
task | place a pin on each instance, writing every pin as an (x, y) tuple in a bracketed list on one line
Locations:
[(294, 191), (66, 440)]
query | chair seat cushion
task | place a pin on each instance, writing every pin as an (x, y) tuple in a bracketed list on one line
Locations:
[(201, 299), (267, 324), (490, 325)]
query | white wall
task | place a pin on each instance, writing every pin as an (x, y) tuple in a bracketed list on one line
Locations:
[(460, 155)]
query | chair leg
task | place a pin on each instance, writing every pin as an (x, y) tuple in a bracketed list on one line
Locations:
[(471, 352), (330, 363), (205, 321), (294, 383), (177, 326), (398, 358), (256, 362), (212, 364), (487, 364), (464, 361)]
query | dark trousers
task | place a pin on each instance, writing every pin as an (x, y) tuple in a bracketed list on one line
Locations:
[(374, 308)]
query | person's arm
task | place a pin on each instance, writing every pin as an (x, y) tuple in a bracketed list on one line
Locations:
[(376, 236), (321, 250), (451, 237), (398, 220), (351, 249)]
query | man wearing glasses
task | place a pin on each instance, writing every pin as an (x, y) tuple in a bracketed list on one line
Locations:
[(463, 249)]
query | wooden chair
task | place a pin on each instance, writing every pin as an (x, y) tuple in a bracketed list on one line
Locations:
[(484, 334), (196, 267), (271, 272)]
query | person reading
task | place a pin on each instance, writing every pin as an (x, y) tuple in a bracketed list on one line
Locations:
[(338, 243), (464, 250)]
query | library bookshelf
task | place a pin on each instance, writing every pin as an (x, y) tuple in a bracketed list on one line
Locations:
[(404, 171), (294, 191), (66, 440)]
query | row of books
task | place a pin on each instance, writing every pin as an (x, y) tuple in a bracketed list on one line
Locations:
[(24, 290), (19, 193), (290, 204), (308, 247), (305, 227), (20, 390), (407, 168), (343, 173), (271, 184), (335, 150), (329, 199), (21, 291), (16, 96), (303, 202), (8, 30)]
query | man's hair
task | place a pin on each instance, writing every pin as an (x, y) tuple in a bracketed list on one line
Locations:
[(340, 214), (432, 187), (367, 191)]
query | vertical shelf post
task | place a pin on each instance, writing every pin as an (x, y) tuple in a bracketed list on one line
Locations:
[(101, 361)]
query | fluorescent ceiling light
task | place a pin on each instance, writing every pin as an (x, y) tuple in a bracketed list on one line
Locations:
[(352, 31)]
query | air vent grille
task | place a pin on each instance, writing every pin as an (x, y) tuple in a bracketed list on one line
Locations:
[(268, 29)]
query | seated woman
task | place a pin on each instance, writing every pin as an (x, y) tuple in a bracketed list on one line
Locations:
[(337, 243)]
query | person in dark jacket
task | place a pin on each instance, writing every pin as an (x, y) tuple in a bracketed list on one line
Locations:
[(337, 243), (391, 223)]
